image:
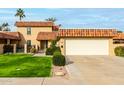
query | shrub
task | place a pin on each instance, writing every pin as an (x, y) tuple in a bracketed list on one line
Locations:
[(49, 51), (53, 48), (33, 50), (57, 52), (8, 48), (119, 51), (58, 49), (58, 59)]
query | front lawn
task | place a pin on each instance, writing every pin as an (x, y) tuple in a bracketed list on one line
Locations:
[(24, 65)]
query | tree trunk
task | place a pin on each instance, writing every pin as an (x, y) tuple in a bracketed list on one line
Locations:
[(20, 18)]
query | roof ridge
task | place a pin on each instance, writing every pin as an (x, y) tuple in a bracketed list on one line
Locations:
[(34, 21), (86, 28)]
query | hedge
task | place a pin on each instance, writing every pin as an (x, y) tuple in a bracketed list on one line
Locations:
[(8, 48), (119, 51), (58, 59)]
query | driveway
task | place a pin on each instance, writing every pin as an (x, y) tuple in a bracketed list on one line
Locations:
[(96, 69)]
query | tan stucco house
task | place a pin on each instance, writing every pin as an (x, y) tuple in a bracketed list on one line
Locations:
[(72, 41)]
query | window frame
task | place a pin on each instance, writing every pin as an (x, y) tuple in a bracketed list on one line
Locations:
[(28, 42), (28, 30)]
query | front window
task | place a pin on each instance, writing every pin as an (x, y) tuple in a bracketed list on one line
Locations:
[(29, 42), (28, 30)]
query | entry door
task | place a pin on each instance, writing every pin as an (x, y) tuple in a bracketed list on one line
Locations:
[(87, 47), (44, 44)]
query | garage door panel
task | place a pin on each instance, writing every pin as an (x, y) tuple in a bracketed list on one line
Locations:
[(87, 47)]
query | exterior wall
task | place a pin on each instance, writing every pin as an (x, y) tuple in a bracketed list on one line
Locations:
[(1, 48), (33, 36), (63, 45), (49, 43), (111, 47)]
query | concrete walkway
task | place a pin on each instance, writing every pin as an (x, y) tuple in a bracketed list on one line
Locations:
[(39, 81)]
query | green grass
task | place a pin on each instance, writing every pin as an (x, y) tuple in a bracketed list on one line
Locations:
[(24, 65)]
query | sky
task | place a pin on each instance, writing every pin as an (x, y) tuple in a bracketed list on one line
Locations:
[(69, 17)]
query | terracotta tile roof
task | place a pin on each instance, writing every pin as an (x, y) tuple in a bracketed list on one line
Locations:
[(10, 35), (34, 24), (87, 32), (119, 36), (46, 36)]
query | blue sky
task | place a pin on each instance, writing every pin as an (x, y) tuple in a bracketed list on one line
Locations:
[(70, 17)]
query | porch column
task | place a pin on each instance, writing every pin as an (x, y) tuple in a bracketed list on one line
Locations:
[(45, 46), (1, 48), (25, 48), (36, 46), (8, 41), (14, 48)]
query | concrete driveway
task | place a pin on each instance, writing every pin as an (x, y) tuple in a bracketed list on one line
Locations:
[(96, 69)]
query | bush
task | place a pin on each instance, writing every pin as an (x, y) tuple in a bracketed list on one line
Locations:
[(53, 48), (57, 52), (58, 59), (49, 51), (33, 50), (119, 51), (58, 49), (8, 48)]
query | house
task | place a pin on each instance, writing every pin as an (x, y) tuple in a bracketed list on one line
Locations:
[(38, 34), (72, 41)]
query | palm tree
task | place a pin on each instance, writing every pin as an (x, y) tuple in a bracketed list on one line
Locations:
[(0, 28), (4, 27), (20, 13), (53, 19)]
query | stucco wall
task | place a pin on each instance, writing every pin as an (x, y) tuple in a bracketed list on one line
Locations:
[(34, 33), (63, 45)]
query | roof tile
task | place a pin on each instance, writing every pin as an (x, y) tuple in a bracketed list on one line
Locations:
[(46, 36), (10, 35), (34, 24), (87, 32)]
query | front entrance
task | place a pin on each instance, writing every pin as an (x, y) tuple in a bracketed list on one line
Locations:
[(43, 44)]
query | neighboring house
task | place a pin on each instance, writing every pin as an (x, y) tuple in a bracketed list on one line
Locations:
[(72, 41), (9, 37)]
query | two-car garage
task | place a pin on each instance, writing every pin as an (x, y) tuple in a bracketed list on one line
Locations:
[(87, 47), (87, 41)]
